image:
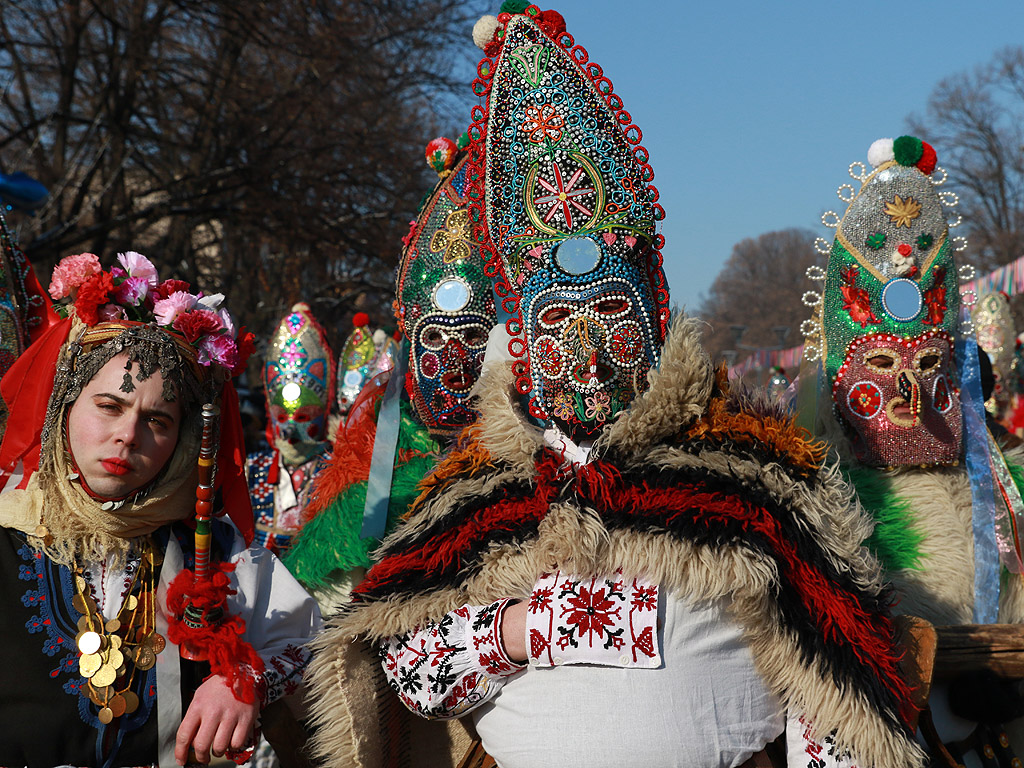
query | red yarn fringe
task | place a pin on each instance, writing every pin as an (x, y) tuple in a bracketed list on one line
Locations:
[(222, 645)]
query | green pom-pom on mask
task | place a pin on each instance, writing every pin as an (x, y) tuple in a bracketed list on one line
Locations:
[(907, 150), (514, 6)]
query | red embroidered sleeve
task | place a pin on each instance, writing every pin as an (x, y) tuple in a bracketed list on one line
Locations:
[(447, 668), (805, 751)]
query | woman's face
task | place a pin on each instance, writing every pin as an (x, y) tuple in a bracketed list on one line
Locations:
[(121, 440)]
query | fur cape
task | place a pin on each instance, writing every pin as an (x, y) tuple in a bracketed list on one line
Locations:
[(710, 493)]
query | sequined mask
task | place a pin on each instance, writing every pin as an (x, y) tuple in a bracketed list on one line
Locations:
[(572, 214), (886, 322), (445, 306), (994, 327), (299, 375)]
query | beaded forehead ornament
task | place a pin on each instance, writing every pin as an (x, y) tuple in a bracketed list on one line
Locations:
[(444, 303), (568, 204), (299, 377), (886, 321)]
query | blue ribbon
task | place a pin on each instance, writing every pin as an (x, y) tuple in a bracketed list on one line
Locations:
[(385, 445), (979, 471)]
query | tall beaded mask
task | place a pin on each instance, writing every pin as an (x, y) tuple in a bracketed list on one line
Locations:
[(569, 206), (886, 322), (299, 381), (444, 303), (994, 328)]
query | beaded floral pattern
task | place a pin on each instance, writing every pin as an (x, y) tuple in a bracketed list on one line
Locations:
[(568, 204), (445, 306)]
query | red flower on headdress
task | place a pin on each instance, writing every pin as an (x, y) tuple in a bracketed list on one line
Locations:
[(92, 294), (196, 323), (167, 287), (935, 299), (857, 301)]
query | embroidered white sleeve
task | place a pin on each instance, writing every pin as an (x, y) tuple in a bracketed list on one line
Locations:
[(447, 668), (607, 621), (804, 751)]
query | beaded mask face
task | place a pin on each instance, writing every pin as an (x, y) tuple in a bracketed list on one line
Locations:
[(444, 303), (889, 313), (299, 377), (572, 214)]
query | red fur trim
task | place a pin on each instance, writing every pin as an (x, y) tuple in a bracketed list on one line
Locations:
[(223, 645)]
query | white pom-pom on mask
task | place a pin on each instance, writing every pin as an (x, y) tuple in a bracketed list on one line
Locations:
[(880, 152), (483, 30)]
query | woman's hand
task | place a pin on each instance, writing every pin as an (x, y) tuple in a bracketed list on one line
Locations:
[(216, 721)]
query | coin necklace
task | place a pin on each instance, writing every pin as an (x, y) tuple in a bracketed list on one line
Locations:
[(107, 647)]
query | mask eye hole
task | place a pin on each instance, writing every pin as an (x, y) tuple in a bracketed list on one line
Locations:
[(554, 315), (612, 306), (433, 338), (929, 361), (881, 360), (474, 337)]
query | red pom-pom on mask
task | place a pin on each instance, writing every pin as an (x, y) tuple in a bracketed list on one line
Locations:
[(928, 159), (359, 319)]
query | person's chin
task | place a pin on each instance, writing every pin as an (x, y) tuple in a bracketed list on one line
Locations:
[(111, 486)]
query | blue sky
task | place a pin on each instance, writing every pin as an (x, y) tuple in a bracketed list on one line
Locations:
[(753, 111)]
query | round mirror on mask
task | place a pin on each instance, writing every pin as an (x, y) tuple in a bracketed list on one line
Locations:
[(578, 255), (902, 299), (451, 295)]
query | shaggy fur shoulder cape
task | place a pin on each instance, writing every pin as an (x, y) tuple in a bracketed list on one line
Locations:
[(710, 493)]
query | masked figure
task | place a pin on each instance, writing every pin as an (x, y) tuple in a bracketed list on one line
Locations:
[(299, 382), (365, 354), (997, 337), (586, 560), (886, 327), (445, 309)]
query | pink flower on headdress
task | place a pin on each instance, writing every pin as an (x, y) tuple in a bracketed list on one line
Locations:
[(218, 349), (110, 313), (598, 407), (196, 323), (71, 273), (138, 265), (133, 291), (227, 322), (166, 310)]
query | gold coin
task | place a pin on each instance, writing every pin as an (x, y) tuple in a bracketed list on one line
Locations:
[(117, 705), (89, 663), (116, 641), (113, 625), (131, 603), (156, 642), (79, 602), (41, 531), (83, 623), (131, 701), (115, 658), (89, 642), (104, 676), (106, 715), (80, 583), (145, 659)]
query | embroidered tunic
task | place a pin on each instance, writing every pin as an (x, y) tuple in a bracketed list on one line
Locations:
[(278, 508), (45, 721)]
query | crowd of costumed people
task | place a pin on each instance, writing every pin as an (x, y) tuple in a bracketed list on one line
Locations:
[(526, 521)]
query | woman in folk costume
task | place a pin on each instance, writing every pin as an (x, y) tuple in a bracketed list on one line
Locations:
[(298, 378), (445, 309), (98, 546), (909, 427), (639, 567)]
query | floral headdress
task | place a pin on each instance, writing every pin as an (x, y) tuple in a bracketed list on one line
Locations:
[(133, 291)]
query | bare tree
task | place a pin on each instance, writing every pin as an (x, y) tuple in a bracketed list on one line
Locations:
[(271, 151), (976, 122), (760, 288)]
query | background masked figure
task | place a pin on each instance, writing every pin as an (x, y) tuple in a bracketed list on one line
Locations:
[(895, 407), (108, 439), (445, 310), (365, 354), (661, 571), (298, 380)]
